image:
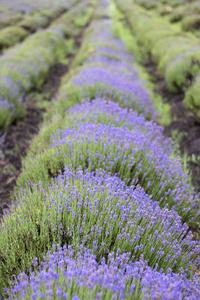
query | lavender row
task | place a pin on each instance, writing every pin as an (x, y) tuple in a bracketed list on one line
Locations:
[(18, 21), (84, 278), (100, 212), (27, 6), (20, 73), (175, 52), (26, 66), (30, 23), (101, 135), (107, 71)]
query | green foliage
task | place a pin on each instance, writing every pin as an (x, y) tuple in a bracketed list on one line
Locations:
[(181, 71), (41, 100), (52, 13), (185, 10), (192, 98), (165, 10), (191, 22), (177, 15), (12, 35), (75, 19), (10, 20), (35, 56), (164, 111), (66, 30), (15, 111), (176, 53), (148, 4), (6, 118), (177, 137), (64, 20), (82, 20), (121, 31), (33, 22)]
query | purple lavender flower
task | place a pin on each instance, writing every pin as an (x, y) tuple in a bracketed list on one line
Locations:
[(111, 82), (108, 71), (100, 211), (137, 157), (118, 278)]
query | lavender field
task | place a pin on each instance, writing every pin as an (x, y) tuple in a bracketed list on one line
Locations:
[(99, 150)]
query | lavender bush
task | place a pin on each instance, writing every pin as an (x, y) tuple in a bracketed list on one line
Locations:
[(133, 155), (63, 275), (99, 211), (108, 72), (27, 65)]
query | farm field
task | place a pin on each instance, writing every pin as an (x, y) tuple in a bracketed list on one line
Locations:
[(99, 150)]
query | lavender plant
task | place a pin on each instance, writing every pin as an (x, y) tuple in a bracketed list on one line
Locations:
[(107, 71), (100, 212), (175, 53), (98, 111), (26, 66), (12, 35), (64, 275), (20, 73), (136, 157), (7, 113), (115, 84)]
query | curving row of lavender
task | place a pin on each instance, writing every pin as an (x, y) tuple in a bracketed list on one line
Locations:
[(13, 13), (102, 204), (11, 6), (26, 66)]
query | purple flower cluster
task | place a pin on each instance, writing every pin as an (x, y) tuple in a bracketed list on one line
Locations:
[(113, 53), (4, 104), (100, 211), (10, 92), (102, 110), (64, 277), (121, 65), (116, 84), (101, 135), (7, 113), (136, 157), (102, 35), (108, 72)]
